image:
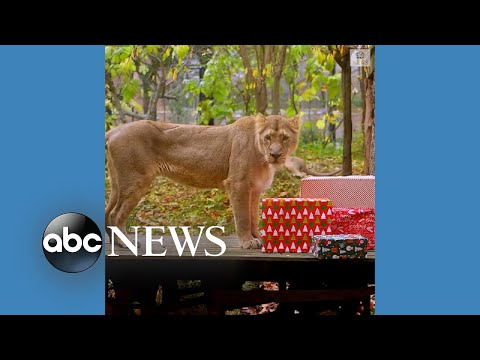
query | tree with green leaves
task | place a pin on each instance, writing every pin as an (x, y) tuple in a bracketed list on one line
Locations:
[(220, 89), (369, 121), (341, 54), (325, 81), (220, 83), (145, 72), (263, 63)]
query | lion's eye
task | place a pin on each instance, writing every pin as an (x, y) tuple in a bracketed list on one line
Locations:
[(268, 137), (286, 137)]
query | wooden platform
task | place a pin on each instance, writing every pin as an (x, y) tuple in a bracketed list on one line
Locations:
[(233, 252), (311, 279)]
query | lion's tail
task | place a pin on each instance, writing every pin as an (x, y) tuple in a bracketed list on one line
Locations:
[(108, 135), (313, 173)]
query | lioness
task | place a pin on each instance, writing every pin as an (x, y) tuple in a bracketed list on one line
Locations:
[(298, 167), (240, 158)]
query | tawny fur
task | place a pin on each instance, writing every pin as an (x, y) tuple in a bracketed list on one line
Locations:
[(298, 167), (240, 158)]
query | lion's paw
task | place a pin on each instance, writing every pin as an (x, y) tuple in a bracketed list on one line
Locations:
[(256, 235), (251, 244)]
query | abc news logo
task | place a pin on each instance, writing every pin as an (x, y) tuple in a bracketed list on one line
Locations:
[(72, 242)]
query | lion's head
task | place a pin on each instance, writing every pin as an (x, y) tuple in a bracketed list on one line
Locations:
[(277, 137)]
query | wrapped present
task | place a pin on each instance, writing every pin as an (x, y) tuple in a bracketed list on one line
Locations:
[(289, 224), (355, 221), (347, 246), (344, 191)]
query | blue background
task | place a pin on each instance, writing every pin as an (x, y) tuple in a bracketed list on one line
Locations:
[(52, 162), (427, 136), (427, 184)]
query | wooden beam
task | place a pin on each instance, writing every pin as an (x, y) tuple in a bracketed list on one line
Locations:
[(232, 298)]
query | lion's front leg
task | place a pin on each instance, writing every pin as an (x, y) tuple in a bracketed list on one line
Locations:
[(254, 201), (240, 198)]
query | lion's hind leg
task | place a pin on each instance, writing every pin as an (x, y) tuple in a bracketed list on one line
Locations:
[(113, 199), (131, 178), (132, 186)]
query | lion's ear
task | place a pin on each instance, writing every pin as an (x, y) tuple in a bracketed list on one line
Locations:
[(296, 122), (260, 119), (260, 122)]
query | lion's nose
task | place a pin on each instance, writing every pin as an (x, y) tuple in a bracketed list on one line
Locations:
[(275, 155)]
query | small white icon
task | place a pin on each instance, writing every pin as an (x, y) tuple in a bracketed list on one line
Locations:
[(359, 57)]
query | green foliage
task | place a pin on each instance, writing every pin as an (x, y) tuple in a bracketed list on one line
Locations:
[(109, 117), (178, 108), (309, 133), (334, 86), (222, 84), (309, 94), (180, 51), (318, 72), (357, 145), (357, 101), (319, 63), (131, 69), (223, 92), (226, 90), (330, 155)]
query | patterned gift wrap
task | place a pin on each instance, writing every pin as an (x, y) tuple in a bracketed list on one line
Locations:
[(344, 191), (355, 221), (347, 246), (289, 224)]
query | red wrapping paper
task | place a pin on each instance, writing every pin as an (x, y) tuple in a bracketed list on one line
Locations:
[(344, 191), (289, 224), (355, 221)]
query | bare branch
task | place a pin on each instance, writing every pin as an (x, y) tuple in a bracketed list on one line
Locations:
[(115, 98), (281, 62), (169, 97), (259, 57), (277, 77), (268, 55), (135, 115), (117, 103), (246, 62), (244, 56)]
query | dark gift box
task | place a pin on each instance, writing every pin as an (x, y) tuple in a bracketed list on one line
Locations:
[(345, 246)]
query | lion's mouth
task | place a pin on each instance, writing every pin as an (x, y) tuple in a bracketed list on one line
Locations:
[(276, 161)]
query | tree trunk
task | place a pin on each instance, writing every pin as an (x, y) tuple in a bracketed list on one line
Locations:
[(347, 115), (246, 101), (157, 85), (153, 111), (146, 98), (263, 55), (362, 96), (152, 106), (292, 96), (331, 127), (278, 70), (164, 110), (146, 86), (332, 131), (369, 135), (261, 102), (249, 72)]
